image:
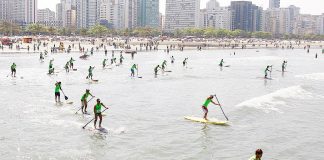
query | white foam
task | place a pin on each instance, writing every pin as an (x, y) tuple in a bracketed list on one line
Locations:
[(313, 76), (268, 102)]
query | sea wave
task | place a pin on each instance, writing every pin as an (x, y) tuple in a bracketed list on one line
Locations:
[(312, 76), (271, 101)]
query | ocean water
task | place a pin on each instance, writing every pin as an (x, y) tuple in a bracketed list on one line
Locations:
[(283, 116)]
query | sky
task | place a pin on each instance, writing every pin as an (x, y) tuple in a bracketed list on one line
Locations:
[(314, 7)]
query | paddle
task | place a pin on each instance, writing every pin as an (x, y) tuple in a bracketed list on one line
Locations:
[(221, 107), (66, 98), (137, 72), (81, 106), (93, 119)]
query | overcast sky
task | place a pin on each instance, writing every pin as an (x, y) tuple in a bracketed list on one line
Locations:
[(315, 7)]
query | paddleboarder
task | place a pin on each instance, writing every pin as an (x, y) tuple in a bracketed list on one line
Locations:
[(205, 105), (13, 69), (66, 67), (58, 87), (164, 64), (221, 63), (266, 72), (133, 70), (104, 63), (121, 59), (156, 69), (90, 72), (185, 62), (283, 66), (97, 113), (50, 67), (258, 155), (71, 63), (84, 101)]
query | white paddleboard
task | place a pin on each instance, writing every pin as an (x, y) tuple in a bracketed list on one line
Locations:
[(210, 121)]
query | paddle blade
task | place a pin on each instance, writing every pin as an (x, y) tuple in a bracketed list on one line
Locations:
[(66, 98)]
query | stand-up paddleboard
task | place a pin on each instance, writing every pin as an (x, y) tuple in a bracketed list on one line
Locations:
[(264, 78), (210, 121), (75, 69), (167, 71), (228, 66), (102, 130)]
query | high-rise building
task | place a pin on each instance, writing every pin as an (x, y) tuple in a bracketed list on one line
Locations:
[(320, 24), (148, 13), (305, 24), (87, 13), (257, 18), (274, 4), (130, 14), (45, 15), (30, 11), (5, 10), (112, 13), (241, 15), (215, 16), (66, 13), (181, 14)]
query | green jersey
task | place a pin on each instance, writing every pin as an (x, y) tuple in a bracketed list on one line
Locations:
[(254, 158), (207, 102), (13, 66), (98, 108), (85, 96), (57, 88), (134, 67)]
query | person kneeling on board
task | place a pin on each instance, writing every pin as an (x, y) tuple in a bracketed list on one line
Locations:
[(205, 105), (97, 112)]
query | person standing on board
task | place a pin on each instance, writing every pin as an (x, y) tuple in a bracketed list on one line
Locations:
[(283, 66), (66, 67), (184, 63), (50, 67), (266, 72), (90, 72), (97, 113), (104, 63), (71, 63), (133, 70), (205, 105), (164, 64), (84, 101), (156, 69), (221, 63), (258, 155), (13, 69), (58, 87)]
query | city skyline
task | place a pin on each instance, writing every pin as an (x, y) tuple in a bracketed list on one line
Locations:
[(311, 7)]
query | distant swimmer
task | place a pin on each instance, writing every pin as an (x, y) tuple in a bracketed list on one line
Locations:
[(258, 155), (221, 63), (172, 59), (283, 66), (184, 63), (13, 69), (90, 70), (50, 67), (84, 101), (156, 69), (58, 87), (205, 105), (134, 66), (266, 71), (97, 112)]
